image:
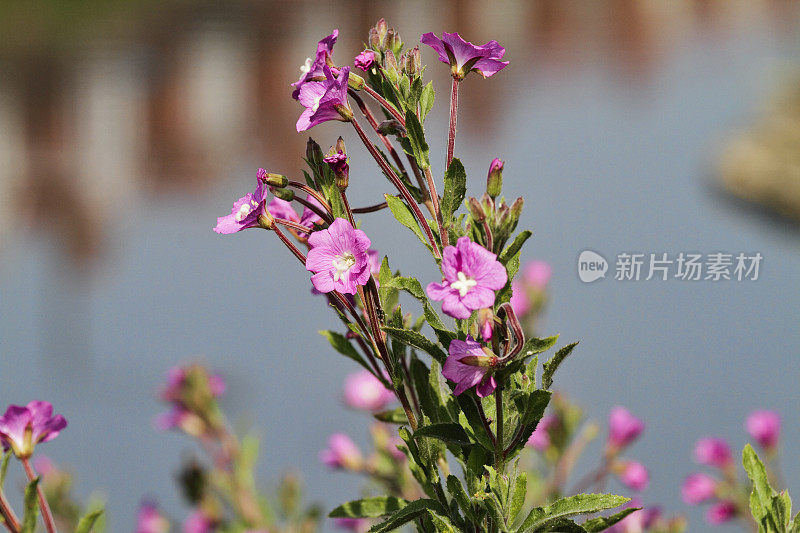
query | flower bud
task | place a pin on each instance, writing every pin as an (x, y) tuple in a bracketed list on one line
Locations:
[(623, 428), (411, 62), (713, 452), (393, 41), (516, 208), (486, 322), (390, 65), (364, 60), (337, 161), (476, 209), (494, 181), (377, 35), (344, 111), (355, 82), (341, 453), (284, 194), (313, 152), (698, 487), (765, 428), (391, 127), (633, 474), (274, 180)]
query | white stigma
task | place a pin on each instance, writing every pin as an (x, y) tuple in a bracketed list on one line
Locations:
[(316, 103), (305, 68), (245, 210), (463, 284), (341, 264)]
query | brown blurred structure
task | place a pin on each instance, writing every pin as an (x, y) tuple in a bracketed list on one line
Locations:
[(103, 101)]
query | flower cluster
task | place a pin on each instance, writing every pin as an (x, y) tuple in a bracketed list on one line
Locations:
[(722, 489)]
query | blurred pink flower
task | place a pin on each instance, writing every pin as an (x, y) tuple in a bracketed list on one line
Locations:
[(537, 274), (540, 438), (764, 427), (362, 390), (623, 428), (150, 520), (721, 512), (352, 524), (341, 453), (713, 451), (698, 487), (634, 475), (520, 301)]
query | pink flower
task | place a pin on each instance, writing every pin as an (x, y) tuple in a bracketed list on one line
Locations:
[(246, 210), (313, 68), (623, 428), (364, 60), (469, 365), (464, 57), (353, 524), (472, 274), (721, 512), (341, 453), (362, 390), (764, 427), (540, 438), (638, 521), (198, 522), (537, 274), (150, 520), (338, 257), (324, 100), (520, 301), (698, 487), (634, 475), (713, 452), (279, 208), (22, 428), (177, 381)]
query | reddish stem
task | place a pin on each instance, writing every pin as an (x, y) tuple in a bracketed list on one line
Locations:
[(9, 518), (451, 134), (370, 208), (399, 186), (386, 105), (305, 188)]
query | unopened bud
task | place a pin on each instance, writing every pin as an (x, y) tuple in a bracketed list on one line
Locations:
[(412, 62), (377, 34), (486, 322), (391, 127), (313, 152), (355, 82), (265, 220), (284, 194), (393, 41), (390, 64), (337, 161), (494, 181), (275, 180), (344, 111), (476, 209), (516, 208)]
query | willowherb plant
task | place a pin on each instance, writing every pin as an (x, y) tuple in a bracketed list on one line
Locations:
[(471, 395)]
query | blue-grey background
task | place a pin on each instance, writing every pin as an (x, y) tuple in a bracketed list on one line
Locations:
[(125, 132)]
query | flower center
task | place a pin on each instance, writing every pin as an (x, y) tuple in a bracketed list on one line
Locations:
[(316, 103), (341, 264), (245, 210), (463, 284), (305, 68)]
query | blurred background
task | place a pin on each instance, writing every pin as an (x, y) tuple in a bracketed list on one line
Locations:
[(644, 126)]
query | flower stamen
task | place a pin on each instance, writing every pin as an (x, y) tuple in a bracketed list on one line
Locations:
[(464, 284)]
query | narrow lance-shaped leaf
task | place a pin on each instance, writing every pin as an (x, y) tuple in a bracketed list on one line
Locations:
[(455, 188), (88, 522), (601, 523), (417, 340), (31, 509), (368, 507), (342, 345), (549, 368), (450, 432), (408, 513), (572, 505), (514, 247), (404, 216)]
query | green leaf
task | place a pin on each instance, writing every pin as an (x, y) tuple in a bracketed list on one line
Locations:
[(342, 345), (601, 523), (88, 521), (404, 216), (426, 100), (392, 416), (572, 505), (451, 432), (455, 188), (368, 507), (519, 490), (562, 525), (4, 467), (549, 368), (410, 512), (456, 490), (31, 509), (762, 491), (417, 340), (414, 143), (514, 247), (442, 523)]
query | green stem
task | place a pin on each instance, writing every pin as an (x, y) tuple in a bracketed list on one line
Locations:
[(47, 515), (500, 456)]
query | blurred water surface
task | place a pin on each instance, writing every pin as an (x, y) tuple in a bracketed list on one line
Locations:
[(125, 131)]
